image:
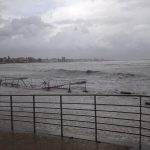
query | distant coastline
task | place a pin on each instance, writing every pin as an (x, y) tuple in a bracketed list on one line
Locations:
[(8, 60)]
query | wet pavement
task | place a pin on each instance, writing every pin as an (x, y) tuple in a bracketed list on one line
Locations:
[(26, 141)]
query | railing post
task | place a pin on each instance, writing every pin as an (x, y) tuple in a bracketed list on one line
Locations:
[(11, 113), (61, 116), (140, 127), (34, 124), (95, 110)]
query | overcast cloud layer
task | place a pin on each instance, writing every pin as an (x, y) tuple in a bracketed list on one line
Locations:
[(110, 29)]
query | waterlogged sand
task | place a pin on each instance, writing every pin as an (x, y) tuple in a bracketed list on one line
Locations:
[(19, 141)]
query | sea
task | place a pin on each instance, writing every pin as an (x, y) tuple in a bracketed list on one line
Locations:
[(103, 77)]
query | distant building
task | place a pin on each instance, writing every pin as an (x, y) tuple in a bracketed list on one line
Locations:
[(44, 60), (63, 59), (54, 60), (21, 60)]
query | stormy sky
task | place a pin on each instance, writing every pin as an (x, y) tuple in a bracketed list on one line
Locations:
[(109, 29)]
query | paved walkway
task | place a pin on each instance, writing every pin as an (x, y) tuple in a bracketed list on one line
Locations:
[(20, 141)]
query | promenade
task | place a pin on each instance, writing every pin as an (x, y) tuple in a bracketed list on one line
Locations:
[(26, 141)]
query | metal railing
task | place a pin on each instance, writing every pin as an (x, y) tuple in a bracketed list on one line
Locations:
[(137, 107)]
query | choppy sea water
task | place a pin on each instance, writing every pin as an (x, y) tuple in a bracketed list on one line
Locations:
[(107, 77)]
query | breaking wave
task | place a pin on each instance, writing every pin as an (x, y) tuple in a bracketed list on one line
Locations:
[(89, 72), (64, 71)]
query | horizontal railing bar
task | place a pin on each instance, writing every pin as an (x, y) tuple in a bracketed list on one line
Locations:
[(38, 118), (148, 136), (118, 105), (75, 115), (5, 115), (47, 118), (22, 111), (23, 121), (100, 95), (78, 115), (21, 107), (4, 119), (47, 108), (77, 109), (119, 111), (29, 117), (4, 106), (145, 96), (144, 128), (78, 121), (71, 120), (5, 110), (145, 121), (23, 116), (47, 123), (78, 126), (111, 124), (118, 131), (46, 113), (47, 102), (145, 114), (118, 118), (147, 107), (74, 120), (36, 107), (4, 102), (78, 103), (17, 102)]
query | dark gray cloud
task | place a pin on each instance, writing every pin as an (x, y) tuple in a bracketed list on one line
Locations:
[(24, 27), (96, 28)]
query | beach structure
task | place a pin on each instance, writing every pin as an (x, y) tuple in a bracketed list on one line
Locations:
[(64, 84), (25, 82), (13, 81)]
